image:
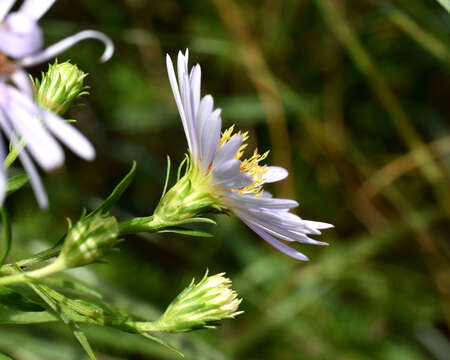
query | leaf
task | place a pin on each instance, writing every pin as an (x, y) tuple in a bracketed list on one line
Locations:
[(116, 193), (184, 231), (4, 357), (6, 235), (57, 309), (79, 335), (445, 4), (8, 317), (16, 182), (163, 343), (12, 300)]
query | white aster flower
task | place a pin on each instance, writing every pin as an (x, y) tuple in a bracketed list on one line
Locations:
[(21, 119), (237, 183)]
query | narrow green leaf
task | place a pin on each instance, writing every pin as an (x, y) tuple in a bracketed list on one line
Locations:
[(445, 4), (163, 343), (57, 309), (4, 357), (12, 300), (183, 231), (8, 317), (16, 182), (116, 193), (6, 235)]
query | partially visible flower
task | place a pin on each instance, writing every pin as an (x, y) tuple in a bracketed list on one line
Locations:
[(200, 306), (235, 183), (21, 119), (59, 87)]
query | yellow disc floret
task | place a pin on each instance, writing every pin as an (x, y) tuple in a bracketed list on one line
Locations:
[(249, 166)]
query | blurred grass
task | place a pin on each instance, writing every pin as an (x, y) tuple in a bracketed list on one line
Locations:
[(352, 96)]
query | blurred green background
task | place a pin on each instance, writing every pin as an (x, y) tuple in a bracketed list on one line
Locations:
[(351, 96)]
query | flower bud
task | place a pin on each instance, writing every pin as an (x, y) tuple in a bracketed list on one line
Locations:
[(59, 87), (201, 305), (88, 240)]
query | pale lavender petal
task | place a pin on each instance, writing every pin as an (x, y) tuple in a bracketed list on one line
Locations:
[(3, 172), (278, 244), (22, 81), (69, 135), (190, 119), (195, 78), (274, 174), (229, 176), (278, 230), (67, 43), (5, 6), (21, 36), (24, 115), (227, 151), (35, 181), (177, 96), (318, 224), (35, 9), (210, 136), (245, 201)]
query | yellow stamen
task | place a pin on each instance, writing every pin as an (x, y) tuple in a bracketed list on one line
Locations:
[(249, 166)]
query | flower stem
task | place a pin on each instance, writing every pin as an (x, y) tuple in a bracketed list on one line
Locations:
[(50, 269), (35, 259)]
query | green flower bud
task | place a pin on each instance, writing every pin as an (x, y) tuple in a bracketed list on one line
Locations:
[(88, 240), (200, 306), (59, 87)]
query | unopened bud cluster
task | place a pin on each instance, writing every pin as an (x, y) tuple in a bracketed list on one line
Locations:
[(59, 87), (201, 305), (88, 240)]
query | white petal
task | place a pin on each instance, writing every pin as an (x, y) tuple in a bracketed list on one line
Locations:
[(274, 174), (69, 135), (35, 9), (67, 43)]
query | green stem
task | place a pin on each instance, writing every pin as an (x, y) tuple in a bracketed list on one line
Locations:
[(50, 269), (35, 259)]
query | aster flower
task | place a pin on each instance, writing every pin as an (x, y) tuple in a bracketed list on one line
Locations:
[(219, 175), (29, 127)]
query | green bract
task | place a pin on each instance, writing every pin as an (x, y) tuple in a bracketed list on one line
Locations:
[(59, 87), (192, 195)]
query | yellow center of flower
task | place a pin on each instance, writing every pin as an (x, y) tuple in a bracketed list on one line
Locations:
[(249, 166)]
